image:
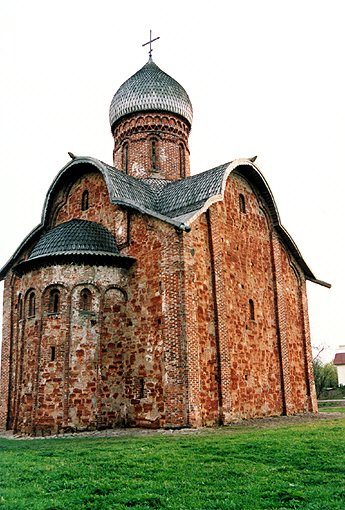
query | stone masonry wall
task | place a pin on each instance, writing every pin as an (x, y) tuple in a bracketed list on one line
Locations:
[(296, 337), (156, 290), (245, 290), (249, 280), (202, 341), (205, 327), (252, 386), (120, 362), (6, 355), (68, 205)]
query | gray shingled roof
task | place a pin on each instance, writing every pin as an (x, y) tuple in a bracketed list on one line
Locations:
[(174, 202), (150, 89), (190, 194), (167, 198), (75, 237)]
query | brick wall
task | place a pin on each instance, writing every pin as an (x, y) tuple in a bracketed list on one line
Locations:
[(206, 327), (67, 205), (6, 381), (242, 366)]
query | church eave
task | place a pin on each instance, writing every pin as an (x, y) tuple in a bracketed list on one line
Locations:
[(73, 258), (114, 197), (18, 254), (251, 172), (178, 203)]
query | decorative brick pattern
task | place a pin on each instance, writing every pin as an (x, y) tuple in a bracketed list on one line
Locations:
[(7, 357), (170, 134)]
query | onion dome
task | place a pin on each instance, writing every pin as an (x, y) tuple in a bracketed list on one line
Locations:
[(76, 237), (150, 89)]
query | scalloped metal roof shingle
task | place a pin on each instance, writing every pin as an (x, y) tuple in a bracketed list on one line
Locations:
[(168, 198), (75, 237), (150, 89)]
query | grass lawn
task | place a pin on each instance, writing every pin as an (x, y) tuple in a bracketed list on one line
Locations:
[(248, 468), (331, 409)]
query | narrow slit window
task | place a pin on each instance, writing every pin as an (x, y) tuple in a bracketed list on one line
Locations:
[(85, 200), (125, 157), (251, 310), (52, 353), (153, 153), (32, 305), (54, 301), (20, 307), (242, 202), (85, 300), (182, 161), (141, 388)]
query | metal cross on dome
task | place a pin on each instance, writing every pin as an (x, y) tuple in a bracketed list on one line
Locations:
[(150, 43)]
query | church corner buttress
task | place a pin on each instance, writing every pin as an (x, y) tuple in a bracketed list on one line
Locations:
[(148, 297)]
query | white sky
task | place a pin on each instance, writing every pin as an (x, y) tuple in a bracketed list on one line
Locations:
[(265, 78)]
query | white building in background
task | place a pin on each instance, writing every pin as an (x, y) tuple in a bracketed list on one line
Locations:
[(339, 362)]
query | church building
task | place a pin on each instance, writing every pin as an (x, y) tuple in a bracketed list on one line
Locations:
[(150, 297)]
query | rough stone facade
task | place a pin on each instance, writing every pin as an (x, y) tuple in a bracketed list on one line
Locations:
[(200, 319)]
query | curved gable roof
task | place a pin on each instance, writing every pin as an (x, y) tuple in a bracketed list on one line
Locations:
[(178, 203)]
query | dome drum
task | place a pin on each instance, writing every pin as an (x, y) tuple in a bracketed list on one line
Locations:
[(154, 124)]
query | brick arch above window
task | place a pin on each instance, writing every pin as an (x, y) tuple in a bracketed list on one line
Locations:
[(54, 301), (53, 298), (85, 300), (31, 304)]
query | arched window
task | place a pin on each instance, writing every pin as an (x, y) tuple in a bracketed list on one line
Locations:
[(242, 202), (251, 310), (32, 305), (125, 157), (153, 153), (85, 200), (182, 161), (54, 301), (85, 300), (20, 307)]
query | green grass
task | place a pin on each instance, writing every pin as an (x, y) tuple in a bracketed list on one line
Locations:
[(301, 466), (331, 409)]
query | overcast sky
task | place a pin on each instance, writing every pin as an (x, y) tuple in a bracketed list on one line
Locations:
[(265, 78)]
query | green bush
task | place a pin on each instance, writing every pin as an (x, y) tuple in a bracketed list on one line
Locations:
[(325, 376)]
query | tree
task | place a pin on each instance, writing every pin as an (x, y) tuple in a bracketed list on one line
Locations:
[(325, 375)]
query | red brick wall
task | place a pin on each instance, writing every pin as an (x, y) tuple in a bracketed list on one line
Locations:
[(255, 357), (297, 349), (6, 355), (201, 327), (68, 206), (244, 269), (169, 341), (156, 298)]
